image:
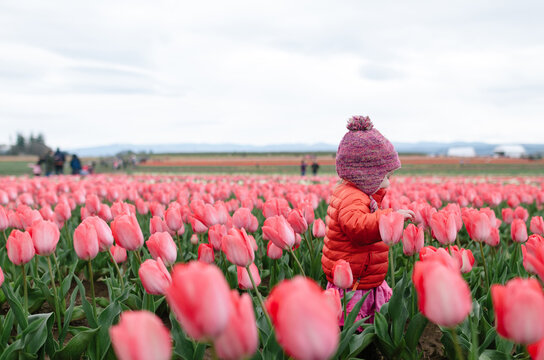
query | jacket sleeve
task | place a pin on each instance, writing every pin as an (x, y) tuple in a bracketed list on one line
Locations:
[(358, 223)]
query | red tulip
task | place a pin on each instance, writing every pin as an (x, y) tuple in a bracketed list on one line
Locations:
[(318, 228), (333, 298), (127, 232), (119, 253), (20, 247), (273, 252), (205, 253), (161, 245), (537, 225), (413, 239), (238, 248), (154, 276), (443, 227), (342, 275), (391, 226), (141, 335), (239, 340), (199, 297), (172, 216), (519, 310), (518, 230), (443, 296), (103, 232), (45, 236), (86, 241), (306, 325), (297, 221), (533, 255), (278, 230), (244, 282)]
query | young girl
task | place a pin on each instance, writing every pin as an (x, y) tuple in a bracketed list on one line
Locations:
[(364, 161)]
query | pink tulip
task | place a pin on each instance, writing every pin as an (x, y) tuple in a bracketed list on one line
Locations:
[(276, 207), (306, 325), (119, 253), (238, 248), (536, 350), (197, 226), (215, 235), (105, 213), (308, 212), (156, 224), (277, 229), (92, 203), (199, 297), (244, 282), (494, 238), (29, 216), (537, 225), (103, 232), (519, 310), (141, 335), (413, 239), (172, 216), (478, 225), (444, 227), (154, 276), (240, 339), (521, 213), (533, 255), (507, 215), (244, 219), (63, 211), (86, 241), (443, 296), (161, 245), (222, 213), (333, 298), (205, 253), (318, 228), (4, 220), (1, 277), (391, 226), (273, 252), (45, 236), (342, 275), (120, 208), (127, 232), (194, 239), (205, 214), (518, 230), (297, 221), (20, 247), (464, 257)]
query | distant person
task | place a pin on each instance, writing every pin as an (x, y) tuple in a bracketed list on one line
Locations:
[(302, 168), (48, 162), (59, 159), (315, 167), (75, 164)]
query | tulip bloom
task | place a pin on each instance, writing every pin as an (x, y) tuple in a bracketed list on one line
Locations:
[(103, 232), (478, 225), (277, 229), (521, 213), (86, 241), (444, 227), (273, 252), (391, 226), (413, 239), (1, 277), (536, 350), (141, 335), (443, 296), (537, 225), (45, 236), (333, 298), (518, 230), (118, 253), (533, 255), (464, 257), (105, 213), (305, 323), (205, 253), (244, 219), (239, 340), (127, 232), (156, 224), (244, 281), (507, 215), (238, 247), (297, 221), (318, 228), (172, 216), (20, 247), (154, 276), (4, 220), (519, 310), (199, 297), (342, 275), (161, 245), (215, 236)]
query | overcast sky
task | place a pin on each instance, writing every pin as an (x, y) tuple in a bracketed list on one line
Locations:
[(99, 72)]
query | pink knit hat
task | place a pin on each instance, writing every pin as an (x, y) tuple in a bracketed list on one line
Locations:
[(365, 156)]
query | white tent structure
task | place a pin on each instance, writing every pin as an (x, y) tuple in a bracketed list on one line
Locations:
[(511, 151), (465, 151)]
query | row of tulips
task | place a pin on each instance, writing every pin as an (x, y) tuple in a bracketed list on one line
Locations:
[(230, 266)]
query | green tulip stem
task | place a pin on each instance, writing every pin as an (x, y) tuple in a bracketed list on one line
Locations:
[(296, 260), (25, 290), (179, 244), (92, 287), (54, 292), (259, 297), (310, 248), (458, 352), (345, 306), (485, 265), (118, 271), (392, 265)]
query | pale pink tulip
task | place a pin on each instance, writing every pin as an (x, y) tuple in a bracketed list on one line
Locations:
[(277, 229), (205, 253), (391, 226), (537, 225), (20, 247), (154, 276), (86, 241), (161, 245), (518, 231), (444, 228), (413, 239), (297, 221), (244, 282), (273, 252), (127, 232), (342, 275), (318, 228), (119, 254), (45, 236), (103, 231), (238, 248)]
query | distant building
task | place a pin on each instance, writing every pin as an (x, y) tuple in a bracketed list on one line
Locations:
[(511, 151), (465, 151)]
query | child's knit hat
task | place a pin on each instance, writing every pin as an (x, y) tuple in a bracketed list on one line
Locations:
[(365, 156)]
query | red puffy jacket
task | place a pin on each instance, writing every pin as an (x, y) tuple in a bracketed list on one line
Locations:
[(353, 235)]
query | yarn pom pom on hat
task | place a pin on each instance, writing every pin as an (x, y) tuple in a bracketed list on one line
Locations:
[(365, 156)]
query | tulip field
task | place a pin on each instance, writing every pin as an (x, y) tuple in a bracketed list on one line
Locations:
[(229, 267)]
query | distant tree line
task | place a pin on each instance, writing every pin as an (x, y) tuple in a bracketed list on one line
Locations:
[(33, 145)]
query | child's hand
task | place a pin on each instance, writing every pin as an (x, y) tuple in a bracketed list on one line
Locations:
[(408, 214)]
